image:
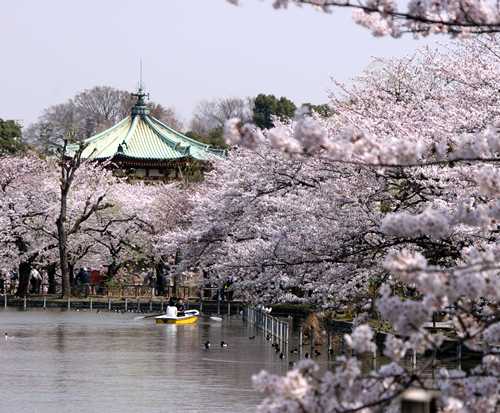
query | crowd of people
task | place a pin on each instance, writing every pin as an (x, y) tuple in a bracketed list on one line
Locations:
[(39, 282), (8, 281)]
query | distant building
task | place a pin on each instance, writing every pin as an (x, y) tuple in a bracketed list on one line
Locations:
[(143, 148)]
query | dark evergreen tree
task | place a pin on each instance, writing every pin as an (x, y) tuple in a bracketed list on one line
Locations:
[(10, 132), (267, 105)]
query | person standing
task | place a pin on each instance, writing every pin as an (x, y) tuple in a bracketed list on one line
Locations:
[(35, 280)]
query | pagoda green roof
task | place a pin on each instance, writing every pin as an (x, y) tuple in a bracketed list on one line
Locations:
[(142, 137)]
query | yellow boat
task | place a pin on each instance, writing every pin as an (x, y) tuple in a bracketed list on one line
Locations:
[(189, 317)]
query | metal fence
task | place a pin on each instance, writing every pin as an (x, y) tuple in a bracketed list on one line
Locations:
[(271, 326)]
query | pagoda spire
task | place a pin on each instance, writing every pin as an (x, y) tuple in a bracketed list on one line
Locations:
[(140, 107)]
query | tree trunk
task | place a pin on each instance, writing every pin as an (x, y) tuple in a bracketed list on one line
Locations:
[(177, 260), (66, 179), (71, 271), (63, 250), (112, 271), (51, 273), (24, 279)]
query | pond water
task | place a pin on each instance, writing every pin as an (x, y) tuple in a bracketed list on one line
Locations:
[(68, 361), (81, 361)]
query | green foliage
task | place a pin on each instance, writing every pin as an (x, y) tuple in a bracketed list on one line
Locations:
[(214, 138), (194, 136), (324, 110), (267, 105), (10, 131), (195, 175), (385, 207)]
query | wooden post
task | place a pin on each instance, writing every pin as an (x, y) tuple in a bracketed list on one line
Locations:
[(24, 302), (5, 301), (138, 304), (414, 361), (300, 336), (90, 305), (218, 303), (201, 299), (126, 304), (434, 368), (374, 360), (228, 308), (69, 303), (151, 305), (329, 340), (161, 306), (44, 303), (459, 356), (109, 303)]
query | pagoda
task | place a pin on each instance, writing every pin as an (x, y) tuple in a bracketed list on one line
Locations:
[(142, 148)]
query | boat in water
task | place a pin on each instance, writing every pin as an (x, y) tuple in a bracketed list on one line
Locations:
[(190, 316)]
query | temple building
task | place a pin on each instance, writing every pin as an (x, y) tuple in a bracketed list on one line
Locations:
[(143, 148)]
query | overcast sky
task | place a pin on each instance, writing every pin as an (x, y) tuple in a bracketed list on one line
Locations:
[(191, 49)]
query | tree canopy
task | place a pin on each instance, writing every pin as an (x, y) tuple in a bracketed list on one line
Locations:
[(88, 113), (413, 154), (267, 105), (10, 134), (456, 17), (214, 138)]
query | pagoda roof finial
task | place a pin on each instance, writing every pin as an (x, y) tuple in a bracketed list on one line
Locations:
[(140, 107)]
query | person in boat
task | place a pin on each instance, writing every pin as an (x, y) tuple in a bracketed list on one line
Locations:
[(181, 308), (172, 309)]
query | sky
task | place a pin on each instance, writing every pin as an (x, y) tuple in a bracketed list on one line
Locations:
[(190, 50)]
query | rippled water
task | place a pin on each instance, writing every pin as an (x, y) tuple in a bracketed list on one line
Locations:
[(86, 362), (69, 361)]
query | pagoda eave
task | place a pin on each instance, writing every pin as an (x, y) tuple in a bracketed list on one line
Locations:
[(155, 163)]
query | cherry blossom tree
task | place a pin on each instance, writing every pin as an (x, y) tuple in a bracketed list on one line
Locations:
[(244, 230), (427, 125), (71, 211), (128, 232), (27, 186), (456, 17)]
